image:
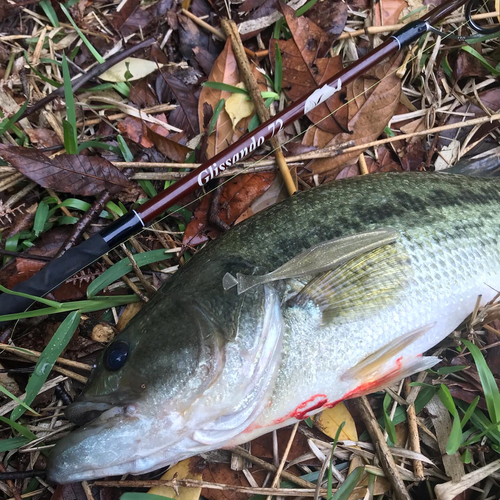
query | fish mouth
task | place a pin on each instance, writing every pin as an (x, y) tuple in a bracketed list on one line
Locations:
[(84, 412)]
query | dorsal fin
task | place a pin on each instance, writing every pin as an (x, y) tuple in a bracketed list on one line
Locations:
[(319, 258)]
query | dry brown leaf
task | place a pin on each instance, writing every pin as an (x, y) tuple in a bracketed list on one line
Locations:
[(190, 468), (370, 108), (304, 70), (388, 12), (329, 421)]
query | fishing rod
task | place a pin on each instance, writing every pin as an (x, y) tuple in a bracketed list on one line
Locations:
[(58, 270)]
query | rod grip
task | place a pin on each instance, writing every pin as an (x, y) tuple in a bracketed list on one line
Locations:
[(53, 274)]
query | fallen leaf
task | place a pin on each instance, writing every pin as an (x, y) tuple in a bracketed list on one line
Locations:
[(185, 117), (75, 174), (384, 163), (136, 130), (120, 17), (329, 421), (467, 65), (190, 468), (388, 12), (171, 149), (142, 95), (138, 68), (330, 15), (225, 70), (304, 71), (103, 333), (44, 137), (448, 155), (239, 106), (370, 109), (237, 195)]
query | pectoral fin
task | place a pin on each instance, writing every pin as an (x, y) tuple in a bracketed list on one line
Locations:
[(369, 281), (390, 363), (319, 258)]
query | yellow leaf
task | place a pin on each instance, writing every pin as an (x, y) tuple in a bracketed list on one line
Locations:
[(187, 469), (139, 68), (239, 106), (329, 420)]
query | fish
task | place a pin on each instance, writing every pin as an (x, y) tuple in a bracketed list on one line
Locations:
[(333, 293)]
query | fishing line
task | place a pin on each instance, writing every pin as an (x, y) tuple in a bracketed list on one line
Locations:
[(256, 163)]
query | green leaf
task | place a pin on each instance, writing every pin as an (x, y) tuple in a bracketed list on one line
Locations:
[(278, 65), (17, 400), (125, 150), (46, 361), (277, 28), (84, 306), (50, 12), (469, 412), (266, 94), (490, 387), (71, 140), (47, 302), (9, 122), (135, 495), (123, 267), (21, 429), (456, 430), (347, 487), (481, 59), (41, 217), (12, 443), (451, 369), (111, 205), (148, 187), (466, 456), (85, 40), (302, 10), (226, 87), (100, 145), (215, 117), (73, 203), (389, 424)]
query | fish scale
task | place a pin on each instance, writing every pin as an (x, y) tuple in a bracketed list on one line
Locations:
[(209, 367)]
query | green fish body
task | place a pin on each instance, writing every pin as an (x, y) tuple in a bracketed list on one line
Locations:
[(333, 293)]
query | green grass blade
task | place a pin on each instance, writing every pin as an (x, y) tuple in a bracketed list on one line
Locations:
[(12, 443), (9, 122), (215, 117), (21, 429), (83, 306), (481, 59), (85, 40), (125, 150), (50, 12), (490, 387), (17, 400), (456, 430), (469, 412), (347, 487), (123, 267), (44, 365), (47, 302), (41, 217), (226, 87), (278, 67), (302, 10), (481, 422)]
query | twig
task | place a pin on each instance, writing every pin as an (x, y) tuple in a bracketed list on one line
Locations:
[(29, 354), (78, 229), (13, 475), (383, 452), (95, 71), (363, 168), (10, 483), (272, 468), (24, 255), (276, 479), (451, 489), (418, 467), (231, 30), (192, 483), (145, 283)]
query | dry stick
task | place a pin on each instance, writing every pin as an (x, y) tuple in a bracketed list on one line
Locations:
[(231, 30), (276, 479), (414, 437), (374, 30), (24, 255), (147, 286), (95, 71), (29, 354), (11, 484), (363, 168), (383, 452), (272, 468), (192, 483), (218, 34)]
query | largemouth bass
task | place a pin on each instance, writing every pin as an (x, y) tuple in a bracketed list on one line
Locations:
[(331, 294)]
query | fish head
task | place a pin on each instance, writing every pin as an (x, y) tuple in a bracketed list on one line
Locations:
[(172, 385), (135, 406)]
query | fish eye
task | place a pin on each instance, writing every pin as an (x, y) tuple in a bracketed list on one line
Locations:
[(115, 356)]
